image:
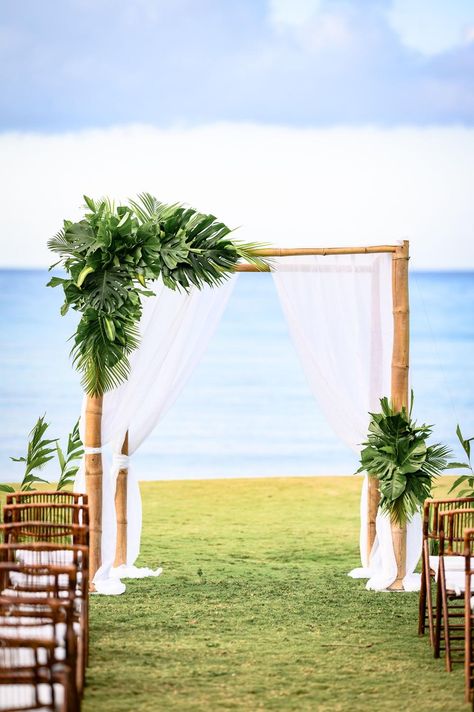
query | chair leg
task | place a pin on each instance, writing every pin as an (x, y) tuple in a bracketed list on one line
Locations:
[(430, 608), (447, 641), (468, 648), (422, 600), (437, 627)]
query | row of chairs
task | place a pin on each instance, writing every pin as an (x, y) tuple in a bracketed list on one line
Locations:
[(447, 583), (44, 601)]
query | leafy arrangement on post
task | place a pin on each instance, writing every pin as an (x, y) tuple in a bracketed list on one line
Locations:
[(397, 454), (464, 479), (109, 256), (41, 450)]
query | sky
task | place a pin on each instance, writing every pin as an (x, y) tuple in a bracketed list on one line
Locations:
[(320, 121)]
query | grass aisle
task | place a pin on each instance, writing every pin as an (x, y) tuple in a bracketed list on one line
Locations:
[(255, 611)]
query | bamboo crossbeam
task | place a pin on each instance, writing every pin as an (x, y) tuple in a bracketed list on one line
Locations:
[(121, 510), (296, 251)]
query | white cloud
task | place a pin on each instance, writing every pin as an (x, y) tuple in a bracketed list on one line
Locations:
[(292, 12), (432, 26), (284, 186)]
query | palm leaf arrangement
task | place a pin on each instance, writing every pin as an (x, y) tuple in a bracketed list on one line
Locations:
[(397, 454), (110, 255)]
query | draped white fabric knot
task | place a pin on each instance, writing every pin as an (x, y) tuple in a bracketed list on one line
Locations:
[(119, 462)]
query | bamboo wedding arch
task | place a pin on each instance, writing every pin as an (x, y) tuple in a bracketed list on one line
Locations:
[(399, 394)]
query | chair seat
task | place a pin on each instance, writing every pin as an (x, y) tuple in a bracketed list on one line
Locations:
[(451, 563)]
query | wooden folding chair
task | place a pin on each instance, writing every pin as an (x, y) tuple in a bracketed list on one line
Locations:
[(429, 563), (38, 640), (22, 545), (449, 627)]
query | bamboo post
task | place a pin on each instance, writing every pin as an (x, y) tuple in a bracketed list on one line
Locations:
[(93, 471), (373, 499), (121, 510), (400, 366)]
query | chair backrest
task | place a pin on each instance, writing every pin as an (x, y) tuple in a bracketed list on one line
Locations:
[(27, 532), (37, 554), (432, 509), (58, 496), (451, 530), (52, 512), (37, 583)]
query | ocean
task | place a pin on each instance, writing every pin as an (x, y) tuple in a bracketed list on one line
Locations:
[(247, 411)]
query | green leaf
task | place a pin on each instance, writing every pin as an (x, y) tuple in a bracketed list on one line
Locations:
[(6, 488), (90, 203), (83, 274)]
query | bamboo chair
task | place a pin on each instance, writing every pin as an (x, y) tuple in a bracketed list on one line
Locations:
[(38, 640), (432, 510), (25, 549), (50, 512), (469, 615), (451, 585), (36, 496)]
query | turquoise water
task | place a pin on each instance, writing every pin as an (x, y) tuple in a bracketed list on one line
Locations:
[(247, 410)]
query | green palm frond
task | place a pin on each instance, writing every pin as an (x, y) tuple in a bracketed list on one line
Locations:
[(246, 251)]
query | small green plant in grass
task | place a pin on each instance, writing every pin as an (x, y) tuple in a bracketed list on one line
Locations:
[(464, 479), (40, 450), (74, 451), (397, 454)]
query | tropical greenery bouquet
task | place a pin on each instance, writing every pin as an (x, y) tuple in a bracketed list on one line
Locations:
[(110, 255), (397, 454)]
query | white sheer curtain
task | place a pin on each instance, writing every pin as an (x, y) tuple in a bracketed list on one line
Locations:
[(339, 314), (175, 330)]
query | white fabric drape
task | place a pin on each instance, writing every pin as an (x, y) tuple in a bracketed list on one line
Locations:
[(175, 329), (339, 313)]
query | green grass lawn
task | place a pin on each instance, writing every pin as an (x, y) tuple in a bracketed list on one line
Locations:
[(254, 609)]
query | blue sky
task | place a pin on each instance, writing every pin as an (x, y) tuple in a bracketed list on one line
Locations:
[(304, 122), (75, 64)]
